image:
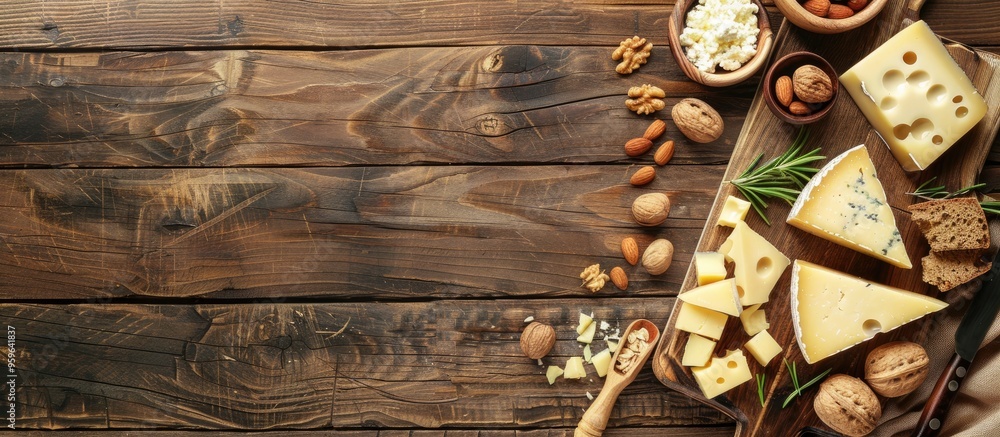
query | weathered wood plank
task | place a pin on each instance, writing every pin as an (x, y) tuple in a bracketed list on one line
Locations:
[(496, 104), (134, 24), (356, 232), (265, 366), (674, 431)]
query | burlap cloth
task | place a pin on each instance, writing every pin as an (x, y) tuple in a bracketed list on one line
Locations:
[(976, 409)]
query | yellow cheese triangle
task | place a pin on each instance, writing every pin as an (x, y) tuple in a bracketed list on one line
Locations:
[(759, 264), (833, 311), (719, 296), (844, 203)]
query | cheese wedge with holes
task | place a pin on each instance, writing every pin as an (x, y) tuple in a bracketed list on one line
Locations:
[(722, 374), (759, 264), (719, 296), (833, 311), (915, 95), (844, 203)]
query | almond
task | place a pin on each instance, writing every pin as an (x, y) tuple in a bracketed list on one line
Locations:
[(838, 12), (644, 176), (637, 146), (657, 128), (630, 249), (798, 108), (783, 90), (857, 5), (819, 8), (664, 153), (619, 278)]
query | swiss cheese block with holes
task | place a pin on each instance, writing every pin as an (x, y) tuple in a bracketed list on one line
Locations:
[(722, 373), (759, 264), (915, 95), (845, 203), (833, 311)]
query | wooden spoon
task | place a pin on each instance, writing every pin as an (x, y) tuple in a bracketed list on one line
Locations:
[(596, 418)]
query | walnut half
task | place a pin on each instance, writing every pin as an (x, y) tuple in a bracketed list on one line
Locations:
[(645, 99), (632, 53)]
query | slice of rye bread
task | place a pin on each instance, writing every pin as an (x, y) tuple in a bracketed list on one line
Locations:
[(948, 270), (952, 224)]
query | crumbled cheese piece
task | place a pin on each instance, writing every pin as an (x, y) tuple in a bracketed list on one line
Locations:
[(529, 319), (720, 33), (590, 396), (605, 326)]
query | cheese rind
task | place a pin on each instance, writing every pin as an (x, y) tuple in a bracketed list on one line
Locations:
[(844, 203), (759, 264), (915, 95), (710, 267), (763, 347), (718, 296), (702, 321), (697, 351), (833, 311), (733, 211), (722, 374)]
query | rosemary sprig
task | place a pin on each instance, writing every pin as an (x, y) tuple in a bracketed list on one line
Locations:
[(990, 207), (926, 192), (760, 387), (795, 382), (782, 177)]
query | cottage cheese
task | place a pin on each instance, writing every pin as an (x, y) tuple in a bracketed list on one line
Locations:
[(720, 33)]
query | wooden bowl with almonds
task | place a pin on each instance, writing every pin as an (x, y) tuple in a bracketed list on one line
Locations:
[(805, 13), (786, 67), (720, 77)]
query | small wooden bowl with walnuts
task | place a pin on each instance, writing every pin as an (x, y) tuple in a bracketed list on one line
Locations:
[(719, 78), (829, 16), (800, 88)]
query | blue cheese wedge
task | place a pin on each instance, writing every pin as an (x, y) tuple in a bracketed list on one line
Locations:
[(844, 203)]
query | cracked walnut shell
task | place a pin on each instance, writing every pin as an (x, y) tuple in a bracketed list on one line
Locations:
[(632, 53), (645, 99)]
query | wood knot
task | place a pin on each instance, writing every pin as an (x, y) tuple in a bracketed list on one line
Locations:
[(493, 62), (491, 126)]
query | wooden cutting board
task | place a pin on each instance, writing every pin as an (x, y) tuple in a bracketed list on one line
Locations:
[(842, 129)]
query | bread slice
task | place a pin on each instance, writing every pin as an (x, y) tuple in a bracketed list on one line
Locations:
[(952, 224), (947, 270)]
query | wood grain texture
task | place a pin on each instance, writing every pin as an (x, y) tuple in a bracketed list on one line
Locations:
[(358, 232), (838, 132), (135, 24), (267, 366), (676, 431), (496, 104)]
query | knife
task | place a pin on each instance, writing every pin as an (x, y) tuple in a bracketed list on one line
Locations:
[(968, 337)]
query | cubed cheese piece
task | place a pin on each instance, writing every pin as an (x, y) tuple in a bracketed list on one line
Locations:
[(722, 374), (612, 344), (710, 267), (702, 321), (733, 211), (718, 296), (844, 203), (763, 347), (574, 368), (759, 264), (697, 351), (585, 321), (588, 334), (754, 320), (552, 373), (602, 361), (832, 311), (915, 95)]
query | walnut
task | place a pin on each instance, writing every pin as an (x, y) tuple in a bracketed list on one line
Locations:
[(633, 52), (897, 368), (697, 120), (651, 209), (593, 278), (645, 99), (657, 257), (812, 85), (537, 340), (847, 405)]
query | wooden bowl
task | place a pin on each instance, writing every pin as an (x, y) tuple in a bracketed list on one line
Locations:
[(794, 12), (765, 40), (785, 67)]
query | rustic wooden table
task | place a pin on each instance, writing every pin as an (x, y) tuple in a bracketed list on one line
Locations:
[(283, 215)]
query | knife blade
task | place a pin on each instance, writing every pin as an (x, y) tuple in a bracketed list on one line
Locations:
[(968, 337)]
